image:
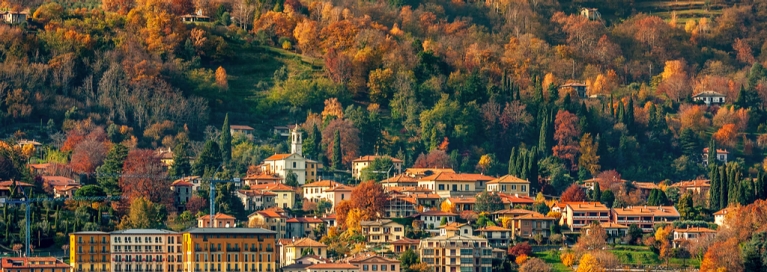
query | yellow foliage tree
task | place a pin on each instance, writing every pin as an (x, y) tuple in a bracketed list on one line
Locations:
[(446, 206), (333, 108), (506, 222), (485, 162), (539, 198), (674, 68), (568, 259), (521, 259), (354, 218), (589, 158), (554, 214), (221, 78), (28, 150), (589, 264)]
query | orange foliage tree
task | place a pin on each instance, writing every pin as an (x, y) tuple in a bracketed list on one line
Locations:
[(566, 131), (369, 197), (144, 176), (573, 193), (726, 135), (350, 139)]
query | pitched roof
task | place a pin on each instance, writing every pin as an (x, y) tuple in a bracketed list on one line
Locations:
[(379, 222), (143, 231), (429, 171), (586, 206), (322, 183), (269, 213), (708, 93), (39, 165), (256, 193), (695, 230), (453, 226), (304, 220), (645, 185), (508, 179), (692, 183), (274, 187), (534, 216), (332, 266), (437, 213), (514, 212), (5, 185), (240, 127), (261, 176), (370, 158), (340, 188), (724, 211), (10, 263), (406, 240), (218, 216), (648, 210), (69, 187), (718, 151), (462, 200), (401, 178), (305, 242), (445, 176), (492, 228), (516, 199), (277, 157), (182, 182)]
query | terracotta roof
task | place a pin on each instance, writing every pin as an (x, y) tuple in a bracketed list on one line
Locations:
[(274, 187), (648, 210), (332, 266), (409, 189), (370, 158), (587, 206), (277, 157), (401, 178), (534, 216), (304, 220), (493, 228), (261, 176), (340, 188), (515, 212), (182, 182), (240, 127), (39, 165), (692, 183), (437, 213), (366, 258), (379, 222), (463, 200), (724, 211), (610, 225), (445, 176), (303, 242), (322, 183), (695, 230), (256, 193), (423, 171), (718, 151), (452, 226), (508, 179), (58, 180), (406, 240), (645, 185), (68, 187), (270, 214), (219, 216), (32, 262), (517, 199), (330, 216), (5, 185)]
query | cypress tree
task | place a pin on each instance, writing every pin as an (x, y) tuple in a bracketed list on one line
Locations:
[(538, 89), (553, 93), (711, 152), (181, 166), (597, 193), (512, 161), (759, 186), (543, 135), (723, 192), (612, 107), (630, 113), (520, 164), (337, 151), (621, 112), (714, 190), (532, 176), (689, 143), (226, 141), (652, 199), (113, 166), (733, 184)]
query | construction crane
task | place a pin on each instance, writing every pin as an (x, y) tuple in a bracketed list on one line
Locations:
[(27, 201)]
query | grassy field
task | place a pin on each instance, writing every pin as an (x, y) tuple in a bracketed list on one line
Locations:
[(627, 255), (552, 257)]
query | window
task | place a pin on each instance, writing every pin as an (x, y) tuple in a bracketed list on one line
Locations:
[(513, 187), (455, 187), (503, 188), (441, 187), (375, 267), (383, 267), (466, 187), (524, 188), (284, 196), (365, 268), (294, 164)]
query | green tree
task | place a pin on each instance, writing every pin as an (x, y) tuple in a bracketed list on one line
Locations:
[(336, 159), (209, 159), (108, 173), (712, 152), (181, 166), (686, 208), (312, 146), (408, 259), (488, 202), (143, 214), (377, 170), (634, 233), (608, 198), (443, 221), (226, 141), (596, 194), (657, 198), (90, 191), (689, 143), (291, 179)]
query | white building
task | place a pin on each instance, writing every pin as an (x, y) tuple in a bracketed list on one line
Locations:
[(432, 218), (317, 190), (284, 164), (720, 216), (146, 250), (709, 97), (363, 162), (691, 234)]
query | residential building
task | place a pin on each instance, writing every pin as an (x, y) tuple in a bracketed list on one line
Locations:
[(578, 89), (452, 185), (645, 216), (510, 213), (66, 191), (292, 249), (332, 267), (193, 18), (5, 187), (302, 226), (721, 215), (398, 205), (241, 129), (404, 244), (462, 203), (699, 186), (424, 172), (509, 184), (260, 178), (32, 264), (146, 250), (401, 180), (615, 232), (89, 251), (220, 220), (38, 169), (285, 164), (589, 184), (330, 220), (232, 249), (709, 98), (456, 253), (365, 161), (315, 191), (382, 231), (271, 219), (313, 170), (529, 225), (591, 14), (579, 214), (456, 229), (433, 218), (369, 262), (496, 236), (337, 194), (254, 200), (513, 201), (691, 234), (14, 17), (182, 192), (285, 196), (721, 155), (196, 182), (645, 187)]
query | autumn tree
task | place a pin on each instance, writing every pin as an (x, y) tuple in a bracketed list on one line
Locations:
[(488, 202), (535, 265), (589, 158), (221, 79), (196, 204), (574, 193), (144, 176), (369, 197), (566, 132), (435, 159), (107, 173), (143, 214), (349, 138)]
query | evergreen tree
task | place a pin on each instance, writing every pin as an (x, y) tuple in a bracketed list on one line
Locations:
[(686, 208), (630, 114), (226, 141), (108, 173), (714, 189), (621, 113), (513, 162), (553, 93), (733, 184), (723, 184), (336, 159), (291, 179), (759, 190), (712, 152), (209, 159), (689, 143), (532, 169), (537, 84), (596, 194), (312, 144), (181, 166), (612, 106), (545, 135)]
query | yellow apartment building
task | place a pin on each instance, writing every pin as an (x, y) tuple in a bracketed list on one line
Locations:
[(229, 249), (89, 251)]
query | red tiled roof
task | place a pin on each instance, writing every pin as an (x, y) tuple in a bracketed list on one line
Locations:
[(322, 183), (695, 230), (437, 213), (370, 158), (401, 178), (58, 180), (219, 216), (39, 165), (340, 188), (692, 183), (304, 220), (516, 199), (586, 206), (493, 228), (463, 200), (5, 185), (182, 182), (304, 242), (271, 213), (445, 176), (278, 187), (718, 151), (508, 179), (332, 266), (406, 240), (534, 215), (277, 157), (32, 262), (261, 176), (240, 127), (256, 192)]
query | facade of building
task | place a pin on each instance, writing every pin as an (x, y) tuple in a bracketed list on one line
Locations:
[(645, 216), (313, 169), (182, 191), (370, 262), (382, 231), (691, 234), (315, 191), (271, 219), (254, 200), (399, 205), (456, 229), (293, 249), (579, 214), (220, 220), (233, 249), (418, 173), (452, 185), (404, 244), (721, 155), (456, 253), (401, 180), (146, 250), (496, 236), (337, 194), (509, 184), (285, 196), (721, 215), (241, 129), (365, 161), (528, 225), (615, 232), (710, 98), (284, 164), (33, 264), (332, 267), (89, 251), (302, 226), (698, 186), (432, 219)]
